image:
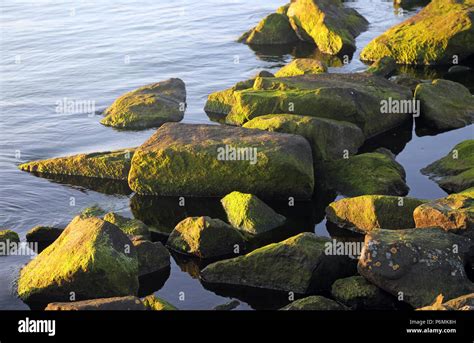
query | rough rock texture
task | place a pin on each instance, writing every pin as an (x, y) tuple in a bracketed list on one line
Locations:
[(439, 31), (105, 165), (210, 160), (205, 237), (153, 303), (92, 258), (383, 67), (445, 104), (369, 212), (421, 264), (9, 235), (462, 303), (129, 303), (152, 256), (43, 234), (302, 66), (273, 29), (314, 303), (92, 211), (148, 106), (250, 214), (130, 226), (455, 171), (405, 80)]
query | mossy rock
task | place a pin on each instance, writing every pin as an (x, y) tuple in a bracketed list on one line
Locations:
[(250, 214), (152, 256), (406, 80), (129, 303), (153, 303), (298, 264), (9, 236), (43, 234), (92, 258), (455, 171), (370, 173), (319, 132), (92, 211), (445, 105), (369, 212), (418, 264), (211, 160), (462, 303), (441, 30), (383, 67), (326, 23), (273, 29), (148, 106), (104, 165), (302, 66), (130, 226), (205, 237), (314, 303)]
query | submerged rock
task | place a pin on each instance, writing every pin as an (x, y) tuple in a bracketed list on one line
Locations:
[(105, 165), (92, 259), (211, 160), (152, 256), (369, 212), (205, 237), (462, 303), (445, 104), (153, 303), (273, 29), (314, 303), (130, 226), (441, 30), (383, 67), (129, 303), (148, 106), (302, 66), (9, 236), (227, 306), (298, 264), (455, 171), (416, 265), (250, 214)]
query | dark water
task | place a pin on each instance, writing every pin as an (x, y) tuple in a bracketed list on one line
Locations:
[(88, 51)]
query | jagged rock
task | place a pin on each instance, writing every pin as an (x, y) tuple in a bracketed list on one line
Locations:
[(462, 303)]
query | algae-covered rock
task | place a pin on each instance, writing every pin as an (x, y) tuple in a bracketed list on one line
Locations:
[(211, 160), (92, 259), (148, 106), (462, 303), (92, 211), (105, 165), (129, 303), (383, 67), (445, 104), (298, 264), (205, 237), (9, 236), (455, 171), (302, 66), (369, 212), (327, 23), (406, 81), (314, 303), (416, 265), (43, 235), (250, 214), (152, 256), (153, 303), (319, 132), (130, 226), (273, 29), (369, 173), (440, 31)]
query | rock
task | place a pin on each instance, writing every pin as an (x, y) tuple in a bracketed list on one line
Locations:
[(264, 73), (148, 106), (455, 171), (405, 80), (273, 29), (210, 160), (302, 66), (43, 234), (130, 226), (462, 303), (298, 264), (319, 132), (445, 104), (416, 264), (314, 303), (205, 237), (88, 259), (153, 303), (383, 67), (105, 165), (250, 214), (357, 293), (458, 69), (409, 4), (434, 35), (9, 236), (129, 303), (228, 306), (152, 256), (369, 212), (354, 98), (92, 211), (369, 173), (327, 23)]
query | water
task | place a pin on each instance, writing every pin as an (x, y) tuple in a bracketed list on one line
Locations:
[(95, 51)]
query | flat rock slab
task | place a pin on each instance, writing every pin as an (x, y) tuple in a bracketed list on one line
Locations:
[(129, 303)]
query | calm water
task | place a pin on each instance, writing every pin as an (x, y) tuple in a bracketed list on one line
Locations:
[(88, 51)]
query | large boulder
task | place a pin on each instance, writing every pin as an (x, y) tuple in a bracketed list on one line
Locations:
[(302, 66), (211, 160), (250, 214), (462, 303), (148, 106), (105, 165), (130, 226), (416, 265), (354, 98), (440, 31), (152, 256), (455, 171), (445, 104), (129, 303), (319, 132), (273, 29), (383, 67), (314, 303), (205, 237), (369, 212), (298, 264), (91, 259)]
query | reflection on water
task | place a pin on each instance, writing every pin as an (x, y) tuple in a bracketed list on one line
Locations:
[(394, 140)]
